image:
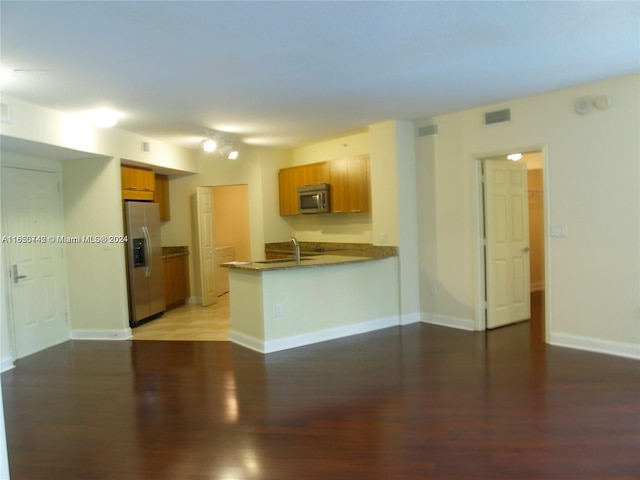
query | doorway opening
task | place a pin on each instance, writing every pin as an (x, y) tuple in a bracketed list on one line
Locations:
[(503, 264), (221, 235)]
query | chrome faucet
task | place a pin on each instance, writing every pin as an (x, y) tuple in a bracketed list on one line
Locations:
[(296, 248)]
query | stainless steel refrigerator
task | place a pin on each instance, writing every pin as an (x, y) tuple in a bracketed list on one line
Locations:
[(144, 262)]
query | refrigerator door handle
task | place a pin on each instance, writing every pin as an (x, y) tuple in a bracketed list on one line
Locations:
[(149, 258)]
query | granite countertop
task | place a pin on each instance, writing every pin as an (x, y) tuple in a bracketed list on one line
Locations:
[(305, 262), (169, 252), (333, 248)]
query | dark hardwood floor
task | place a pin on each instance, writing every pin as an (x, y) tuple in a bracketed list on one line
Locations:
[(418, 402)]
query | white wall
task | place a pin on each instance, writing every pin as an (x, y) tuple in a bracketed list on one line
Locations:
[(6, 358), (592, 163), (50, 127), (96, 272), (364, 297)]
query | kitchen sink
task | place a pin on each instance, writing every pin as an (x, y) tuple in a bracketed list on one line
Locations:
[(284, 260)]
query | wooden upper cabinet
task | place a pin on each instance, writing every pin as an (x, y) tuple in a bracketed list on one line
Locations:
[(338, 182), (348, 177), (137, 183), (161, 196), (350, 185), (313, 173), (358, 184), (288, 195)]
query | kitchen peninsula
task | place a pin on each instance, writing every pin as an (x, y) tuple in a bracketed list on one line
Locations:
[(280, 303)]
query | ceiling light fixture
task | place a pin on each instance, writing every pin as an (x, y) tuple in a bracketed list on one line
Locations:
[(216, 141), (514, 157), (226, 149), (209, 145)]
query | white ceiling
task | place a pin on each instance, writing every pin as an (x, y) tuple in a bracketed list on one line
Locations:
[(289, 73)]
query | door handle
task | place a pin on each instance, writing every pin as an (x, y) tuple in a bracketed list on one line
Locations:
[(14, 273), (526, 249), (147, 241)]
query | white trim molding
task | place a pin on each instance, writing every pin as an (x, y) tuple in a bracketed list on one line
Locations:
[(295, 341), (619, 349), (247, 341), (123, 334), (410, 318), (448, 321), (6, 364)]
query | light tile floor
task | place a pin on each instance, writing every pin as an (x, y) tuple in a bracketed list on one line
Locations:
[(189, 322)]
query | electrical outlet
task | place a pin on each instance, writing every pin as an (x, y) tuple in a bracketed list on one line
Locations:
[(278, 309)]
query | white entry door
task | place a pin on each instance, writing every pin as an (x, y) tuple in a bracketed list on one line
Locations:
[(507, 242), (33, 218), (206, 245)]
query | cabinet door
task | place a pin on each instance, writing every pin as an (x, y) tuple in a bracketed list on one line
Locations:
[(134, 178), (312, 173), (287, 183), (176, 280), (358, 184), (137, 183), (338, 182), (350, 185), (147, 180)]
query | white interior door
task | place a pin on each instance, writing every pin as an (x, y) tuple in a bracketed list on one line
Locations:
[(507, 242), (206, 245), (33, 218)]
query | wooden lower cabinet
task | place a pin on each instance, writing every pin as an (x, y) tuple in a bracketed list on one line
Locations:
[(176, 280)]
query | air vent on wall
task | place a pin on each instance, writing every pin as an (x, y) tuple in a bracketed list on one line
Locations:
[(497, 116), (428, 130), (146, 147)]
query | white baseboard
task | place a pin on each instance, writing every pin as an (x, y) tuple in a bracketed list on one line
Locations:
[(410, 318), (123, 334), (247, 341), (193, 300), (6, 364), (447, 321), (311, 338), (620, 349)]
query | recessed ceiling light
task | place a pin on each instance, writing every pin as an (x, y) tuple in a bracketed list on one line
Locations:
[(514, 157)]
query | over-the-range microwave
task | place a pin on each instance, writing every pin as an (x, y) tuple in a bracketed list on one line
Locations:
[(314, 198)]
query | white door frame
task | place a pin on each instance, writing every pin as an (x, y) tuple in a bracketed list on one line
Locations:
[(49, 166), (479, 263)]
